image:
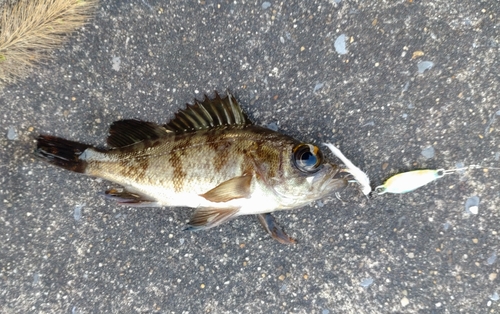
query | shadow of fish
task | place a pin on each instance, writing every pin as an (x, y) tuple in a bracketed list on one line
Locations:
[(210, 157)]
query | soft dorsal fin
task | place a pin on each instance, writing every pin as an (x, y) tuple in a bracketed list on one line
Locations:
[(127, 132), (210, 113)]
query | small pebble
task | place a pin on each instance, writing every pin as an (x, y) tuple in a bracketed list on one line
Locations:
[(340, 44), (272, 126), (282, 277), (11, 133), (497, 156), (77, 213), (424, 65), (405, 301), (446, 226), (266, 5), (325, 312), (494, 296), (492, 258), (406, 87), (283, 288), (472, 205), (417, 54), (474, 210), (428, 152), (492, 276), (366, 282), (317, 87), (181, 241), (115, 63)]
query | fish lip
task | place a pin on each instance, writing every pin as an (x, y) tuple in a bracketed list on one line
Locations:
[(331, 176)]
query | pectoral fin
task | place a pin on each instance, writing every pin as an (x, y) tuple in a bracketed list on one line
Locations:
[(238, 187), (204, 218), (269, 224), (124, 197)]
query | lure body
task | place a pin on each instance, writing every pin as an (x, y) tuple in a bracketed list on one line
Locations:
[(409, 181), (359, 176)]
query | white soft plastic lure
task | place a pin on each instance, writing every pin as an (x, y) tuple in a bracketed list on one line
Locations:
[(359, 176)]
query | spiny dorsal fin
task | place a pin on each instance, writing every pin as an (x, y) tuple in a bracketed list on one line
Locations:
[(127, 132), (210, 113)]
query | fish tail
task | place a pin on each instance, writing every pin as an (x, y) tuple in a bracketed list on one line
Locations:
[(62, 153)]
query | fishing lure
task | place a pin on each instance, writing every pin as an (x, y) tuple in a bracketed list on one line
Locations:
[(409, 181), (360, 177)]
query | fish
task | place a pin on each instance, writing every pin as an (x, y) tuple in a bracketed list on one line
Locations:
[(210, 157)]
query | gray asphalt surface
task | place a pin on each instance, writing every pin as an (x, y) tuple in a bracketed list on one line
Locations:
[(67, 249)]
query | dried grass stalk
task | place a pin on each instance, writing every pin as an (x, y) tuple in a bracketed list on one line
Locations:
[(29, 29)]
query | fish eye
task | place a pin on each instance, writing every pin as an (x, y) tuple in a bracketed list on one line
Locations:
[(307, 158)]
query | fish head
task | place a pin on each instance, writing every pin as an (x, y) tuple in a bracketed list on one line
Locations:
[(307, 176)]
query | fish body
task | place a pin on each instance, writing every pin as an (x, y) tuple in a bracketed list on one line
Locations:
[(209, 157), (179, 170)]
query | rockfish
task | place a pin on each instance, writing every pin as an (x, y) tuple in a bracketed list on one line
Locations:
[(210, 157)]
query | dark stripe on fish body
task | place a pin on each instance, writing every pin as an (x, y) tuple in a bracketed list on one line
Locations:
[(221, 156), (179, 175), (176, 162), (135, 167)]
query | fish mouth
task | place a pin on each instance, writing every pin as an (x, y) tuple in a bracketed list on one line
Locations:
[(330, 179)]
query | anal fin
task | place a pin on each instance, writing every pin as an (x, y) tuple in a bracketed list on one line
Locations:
[(204, 218), (124, 197), (269, 224)]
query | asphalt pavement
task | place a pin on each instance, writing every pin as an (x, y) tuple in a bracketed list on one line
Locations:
[(396, 85)]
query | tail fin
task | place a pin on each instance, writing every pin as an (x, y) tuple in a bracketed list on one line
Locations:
[(61, 152)]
